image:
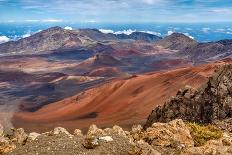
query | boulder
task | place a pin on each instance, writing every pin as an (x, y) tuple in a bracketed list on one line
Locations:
[(136, 132), (59, 130), (78, 132), (115, 130), (106, 138), (90, 142), (32, 136), (175, 134), (95, 131), (19, 136)]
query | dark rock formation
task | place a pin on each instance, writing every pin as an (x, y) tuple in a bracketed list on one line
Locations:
[(213, 101), (140, 36)]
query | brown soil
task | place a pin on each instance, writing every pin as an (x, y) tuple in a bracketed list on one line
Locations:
[(121, 102)]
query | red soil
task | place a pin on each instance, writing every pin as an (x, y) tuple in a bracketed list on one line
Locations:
[(106, 72), (123, 102)]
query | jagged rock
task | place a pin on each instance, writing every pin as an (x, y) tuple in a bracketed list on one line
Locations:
[(175, 134), (19, 136), (95, 131), (59, 130), (212, 147), (78, 132), (90, 142), (143, 148), (1, 130), (213, 101), (219, 146), (136, 132), (115, 130), (32, 136), (6, 146)]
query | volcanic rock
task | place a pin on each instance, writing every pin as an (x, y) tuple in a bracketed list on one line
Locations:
[(174, 132), (32, 136), (212, 101), (78, 132), (20, 136), (59, 130)]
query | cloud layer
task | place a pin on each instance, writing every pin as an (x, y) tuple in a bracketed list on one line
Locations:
[(115, 10), (4, 39)]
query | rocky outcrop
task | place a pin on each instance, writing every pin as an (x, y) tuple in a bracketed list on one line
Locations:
[(175, 137), (220, 146), (169, 134), (213, 101)]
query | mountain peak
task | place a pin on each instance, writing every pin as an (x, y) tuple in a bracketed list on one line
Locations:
[(176, 41)]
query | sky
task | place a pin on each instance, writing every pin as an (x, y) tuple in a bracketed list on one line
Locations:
[(93, 11)]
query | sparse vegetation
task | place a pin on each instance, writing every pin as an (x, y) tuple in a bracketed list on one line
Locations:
[(201, 134)]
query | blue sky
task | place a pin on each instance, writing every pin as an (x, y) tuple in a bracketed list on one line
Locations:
[(115, 11)]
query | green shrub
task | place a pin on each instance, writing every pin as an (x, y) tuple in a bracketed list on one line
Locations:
[(201, 134)]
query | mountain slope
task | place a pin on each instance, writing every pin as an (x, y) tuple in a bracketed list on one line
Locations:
[(140, 36), (123, 102), (209, 103), (50, 39), (209, 51), (176, 41)]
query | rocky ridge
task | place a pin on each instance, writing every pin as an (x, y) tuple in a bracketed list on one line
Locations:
[(213, 101), (175, 137)]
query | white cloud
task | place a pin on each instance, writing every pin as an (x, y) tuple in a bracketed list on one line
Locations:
[(32, 20), (153, 1), (127, 32), (187, 34), (89, 21), (152, 32), (52, 20), (4, 39), (221, 10), (170, 33), (205, 30), (106, 31), (68, 28), (26, 35)]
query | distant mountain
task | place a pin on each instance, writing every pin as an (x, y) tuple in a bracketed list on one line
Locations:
[(209, 51), (194, 51), (50, 39), (140, 36), (176, 41), (56, 38), (97, 35)]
